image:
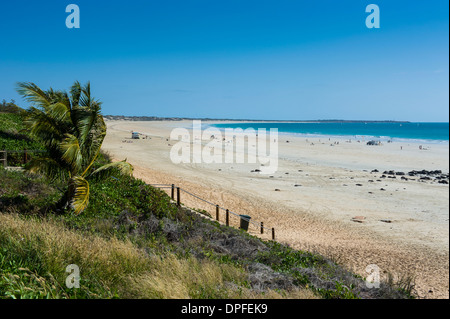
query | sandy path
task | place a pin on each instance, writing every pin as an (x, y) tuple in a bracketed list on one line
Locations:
[(317, 215)]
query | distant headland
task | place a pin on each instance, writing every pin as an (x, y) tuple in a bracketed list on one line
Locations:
[(156, 118)]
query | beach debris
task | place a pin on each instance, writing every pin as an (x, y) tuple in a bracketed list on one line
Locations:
[(358, 219), (374, 171), (386, 220), (277, 190), (359, 185), (297, 185), (382, 189)]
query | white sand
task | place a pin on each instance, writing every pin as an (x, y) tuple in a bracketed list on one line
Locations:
[(318, 214)]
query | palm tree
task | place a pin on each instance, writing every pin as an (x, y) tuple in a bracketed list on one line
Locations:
[(72, 129)]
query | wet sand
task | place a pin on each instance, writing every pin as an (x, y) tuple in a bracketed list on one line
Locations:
[(401, 225)]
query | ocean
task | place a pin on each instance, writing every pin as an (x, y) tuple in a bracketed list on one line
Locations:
[(380, 131)]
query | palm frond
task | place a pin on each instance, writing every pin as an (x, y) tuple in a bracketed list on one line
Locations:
[(85, 97), (75, 93), (43, 127), (71, 153), (78, 194), (59, 111), (33, 94), (123, 167), (47, 166), (94, 140)]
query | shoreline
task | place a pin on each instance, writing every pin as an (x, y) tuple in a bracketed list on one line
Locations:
[(353, 137), (317, 215)]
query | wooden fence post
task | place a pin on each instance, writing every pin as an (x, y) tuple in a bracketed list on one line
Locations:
[(273, 233), (228, 218), (4, 159), (217, 212), (178, 197), (173, 192), (262, 228)]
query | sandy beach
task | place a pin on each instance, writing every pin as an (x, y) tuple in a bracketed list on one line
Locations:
[(327, 196)]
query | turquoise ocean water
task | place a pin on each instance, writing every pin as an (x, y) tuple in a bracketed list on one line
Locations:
[(382, 131)]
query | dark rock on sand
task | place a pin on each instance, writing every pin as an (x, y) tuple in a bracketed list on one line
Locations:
[(358, 219)]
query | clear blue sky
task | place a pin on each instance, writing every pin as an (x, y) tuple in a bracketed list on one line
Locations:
[(278, 59)]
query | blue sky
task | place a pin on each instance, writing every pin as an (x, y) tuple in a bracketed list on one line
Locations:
[(278, 59)]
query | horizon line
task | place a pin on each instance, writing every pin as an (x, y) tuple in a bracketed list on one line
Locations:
[(179, 118)]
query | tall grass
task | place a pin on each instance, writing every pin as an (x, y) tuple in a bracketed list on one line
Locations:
[(35, 253)]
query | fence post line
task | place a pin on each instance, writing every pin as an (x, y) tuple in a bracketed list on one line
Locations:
[(228, 218)]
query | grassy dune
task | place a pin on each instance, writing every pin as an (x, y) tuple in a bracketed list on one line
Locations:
[(35, 253)]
